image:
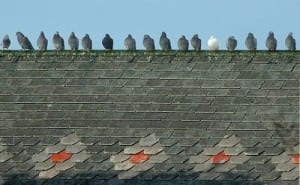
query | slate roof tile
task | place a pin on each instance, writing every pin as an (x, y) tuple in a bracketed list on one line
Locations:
[(179, 108)]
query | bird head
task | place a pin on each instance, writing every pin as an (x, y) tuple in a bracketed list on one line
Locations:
[(163, 34)]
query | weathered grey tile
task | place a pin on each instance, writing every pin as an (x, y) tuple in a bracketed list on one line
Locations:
[(48, 174), (236, 150), (69, 140), (228, 142), (260, 159), (159, 158), (163, 167), (175, 149), (55, 148), (291, 175), (212, 150), (271, 176), (274, 151), (141, 167), (153, 149), (40, 157), (253, 151), (204, 167), (125, 165), (133, 149), (76, 148), (42, 166), (64, 165), (119, 158), (264, 167), (223, 168), (127, 174), (80, 157), (283, 158), (239, 159), (149, 140), (4, 156), (198, 159), (284, 167), (246, 167)]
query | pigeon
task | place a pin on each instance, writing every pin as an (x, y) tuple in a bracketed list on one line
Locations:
[(108, 42), (86, 42), (129, 43), (213, 44), (58, 42), (251, 42), (148, 43), (42, 42), (164, 42), (196, 42), (271, 42), (183, 43), (73, 42), (290, 42), (231, 43), (24, 41), (5, 42)]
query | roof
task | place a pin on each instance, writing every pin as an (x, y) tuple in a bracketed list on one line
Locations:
[(123, 117)]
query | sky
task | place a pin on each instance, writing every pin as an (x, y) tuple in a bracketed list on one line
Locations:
[(138, 17)]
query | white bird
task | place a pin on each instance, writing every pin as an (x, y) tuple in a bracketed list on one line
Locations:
[(213, 44)]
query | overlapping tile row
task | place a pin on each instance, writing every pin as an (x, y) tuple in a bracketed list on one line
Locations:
[(149, 117)]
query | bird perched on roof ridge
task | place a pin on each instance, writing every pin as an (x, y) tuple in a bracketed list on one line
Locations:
[(148, 43), (290, 42), (251, 42), (213, 44), (6, 42), (58, 42), (107, 42), (86, 42), (231, 43), (129, 43), (271, 42), (24, 42), (164, 42), (196, 42), (42, 42), (183, 43), (73, 42)]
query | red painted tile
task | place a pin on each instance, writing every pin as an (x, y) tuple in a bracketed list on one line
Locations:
[(139, 157), (296, 158), (219, 158), (60, 156)]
